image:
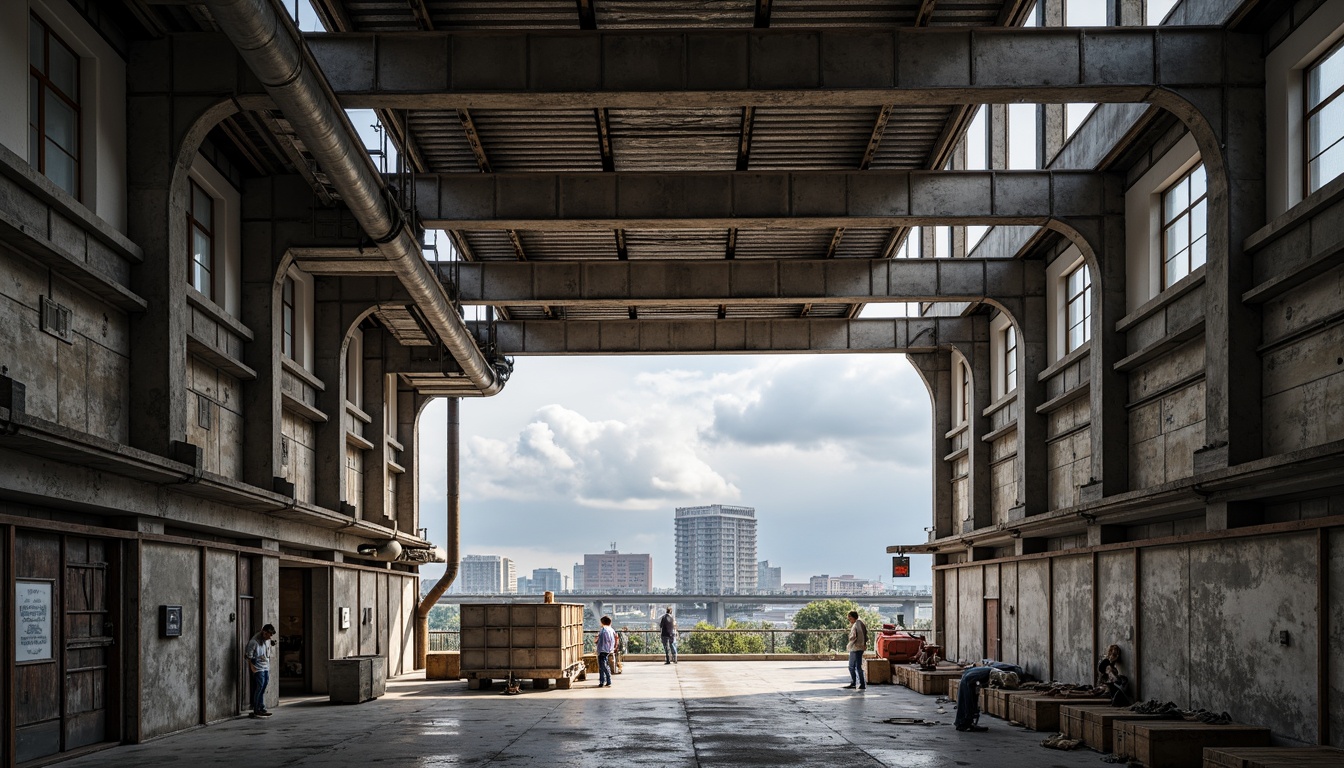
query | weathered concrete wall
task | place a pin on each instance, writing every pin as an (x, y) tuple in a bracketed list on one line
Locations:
[(1335, 646), (1115, 607), (1003, 476), (170, 574), (951, 611), (1164, 606), (1033, 617), (971, 625), (1071, 616), (298, 453), (1008, 611), (223, 663), (1303, 375), (82, 385), (1243, 593), (220, 434), (1069, 452), (1167, 424)]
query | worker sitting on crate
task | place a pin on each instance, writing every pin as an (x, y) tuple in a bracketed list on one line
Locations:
[(968, 693)]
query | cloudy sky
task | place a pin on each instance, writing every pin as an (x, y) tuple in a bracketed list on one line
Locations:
[(577, 453)]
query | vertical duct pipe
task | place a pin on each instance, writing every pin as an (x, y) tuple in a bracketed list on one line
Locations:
[(451, 545)]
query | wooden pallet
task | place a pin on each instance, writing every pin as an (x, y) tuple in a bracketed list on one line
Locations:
[(1180, 743), (1274, 757), (1040, 712), (1093, 724), (479, 679)]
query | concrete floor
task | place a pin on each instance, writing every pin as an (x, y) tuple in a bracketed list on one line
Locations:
[(730, 714)]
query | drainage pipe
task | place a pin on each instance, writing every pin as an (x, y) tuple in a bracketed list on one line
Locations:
[(451, 543), (265, 40)]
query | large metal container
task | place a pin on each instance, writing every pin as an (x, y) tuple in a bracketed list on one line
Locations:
[(537, 641)]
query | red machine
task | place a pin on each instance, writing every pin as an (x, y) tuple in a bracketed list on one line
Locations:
[(897, 646)]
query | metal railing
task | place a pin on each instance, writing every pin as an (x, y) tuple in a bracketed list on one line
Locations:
[(718, 641)]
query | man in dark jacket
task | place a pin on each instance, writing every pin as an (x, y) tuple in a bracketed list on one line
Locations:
[(668, 629)]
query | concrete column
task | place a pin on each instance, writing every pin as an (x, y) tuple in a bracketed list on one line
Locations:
[(1125, 13), (380, 352), (330, 327), (1032, 427), (261, 259), (998, 136), (934, 368), (979, 497), (717, 614)]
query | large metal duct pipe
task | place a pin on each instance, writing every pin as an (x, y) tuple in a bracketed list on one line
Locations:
[(452, 550), (264, 39)]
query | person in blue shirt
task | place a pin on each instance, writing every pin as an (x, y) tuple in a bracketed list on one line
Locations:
[(606, 644)]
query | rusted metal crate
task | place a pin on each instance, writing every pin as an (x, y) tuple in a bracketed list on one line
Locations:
[(542, 642), (1274, 757), (1180, 743)]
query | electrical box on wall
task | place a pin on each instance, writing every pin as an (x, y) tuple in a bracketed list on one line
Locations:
[(170, 621), (344, 617)]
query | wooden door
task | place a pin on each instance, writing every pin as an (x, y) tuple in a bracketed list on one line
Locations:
[(993, 635), (89, 650)]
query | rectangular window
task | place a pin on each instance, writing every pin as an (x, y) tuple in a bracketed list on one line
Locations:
[(1325, 118), (977, 140), (1078, 307), (942, 242), (287, 320), (1009, 359), (965, 392), (1023, 145), (201, 239), (1184, 226), (53, 107)]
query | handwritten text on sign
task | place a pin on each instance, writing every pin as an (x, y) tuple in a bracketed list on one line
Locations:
[(32, 612)]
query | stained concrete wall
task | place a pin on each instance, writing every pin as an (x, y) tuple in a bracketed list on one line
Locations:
[(971, 610), (391, 596), (223, 664), (220, 434), (1166, 426), (1069, 452), (1303, 372), (298, 453), (170, 574), (82, 385), (1003, 476), (1208, 628)]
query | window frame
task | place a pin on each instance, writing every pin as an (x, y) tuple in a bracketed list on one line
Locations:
[(1009, 359), (965, 393), (193, 224), (289, 337), (44, 83), (1309, 112), (1185, 216), (1084, 300)]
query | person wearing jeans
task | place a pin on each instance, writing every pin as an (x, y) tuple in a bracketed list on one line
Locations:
[(968, 694), (668, 629), (258, 658), (858, 643), (606, 643)]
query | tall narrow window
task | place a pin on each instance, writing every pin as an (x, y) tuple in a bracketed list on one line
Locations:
[(53, 107), (287, 320), (1325, 118), (965, 392), (942, 242), (1078, 307), (1184, 226), (1023, 135), (977, 140), (1009, 359), (201, 239)]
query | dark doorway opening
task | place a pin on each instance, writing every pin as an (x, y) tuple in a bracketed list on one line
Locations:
[(294, 662)]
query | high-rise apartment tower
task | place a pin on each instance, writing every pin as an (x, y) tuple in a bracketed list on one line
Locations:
[(716, 549)]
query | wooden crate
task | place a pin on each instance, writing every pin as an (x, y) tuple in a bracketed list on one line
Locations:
[(443, 665), (537, 641), (1180, 743), (1274, 757), (952, 687), (878, 671), (995, 700), (1041, 713), (930, 683), (1093, 723)]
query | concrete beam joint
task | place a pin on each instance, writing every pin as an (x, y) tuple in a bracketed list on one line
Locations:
[(792, 200), (702, 68)]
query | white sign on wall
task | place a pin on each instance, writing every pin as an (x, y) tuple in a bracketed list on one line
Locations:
[(32, 614)]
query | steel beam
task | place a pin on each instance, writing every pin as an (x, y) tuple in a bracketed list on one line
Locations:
[(693, 337), (743, 282), (766, 199), (778, 67)]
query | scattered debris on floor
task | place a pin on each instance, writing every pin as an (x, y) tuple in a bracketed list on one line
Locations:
[(1060, 741), (907, 721)]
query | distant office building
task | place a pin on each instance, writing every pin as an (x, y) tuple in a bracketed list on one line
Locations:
[(578, 577), (844, 586), (769, 578), (525, 586), (796, 588), (488, 575), (612, 570), (716, 550), (544, 580)]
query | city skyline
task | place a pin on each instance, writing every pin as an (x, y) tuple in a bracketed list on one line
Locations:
[(831, 450)]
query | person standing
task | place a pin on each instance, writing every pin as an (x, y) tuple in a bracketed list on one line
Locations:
[(606, 644), (258, 658), (858, 643), (667, 627)]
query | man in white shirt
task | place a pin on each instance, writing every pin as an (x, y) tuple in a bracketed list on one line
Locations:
[(858, 643), (258, 658)]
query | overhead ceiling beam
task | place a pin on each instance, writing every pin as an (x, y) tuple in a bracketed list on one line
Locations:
[(688, 337), (925, 13), (762, 20), (744, 282), (640, 68), (781, 199)]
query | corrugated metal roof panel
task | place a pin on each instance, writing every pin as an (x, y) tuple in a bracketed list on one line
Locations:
[(676, 243), (539, 140), (819, 139), (675, 139), (783, 244)]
